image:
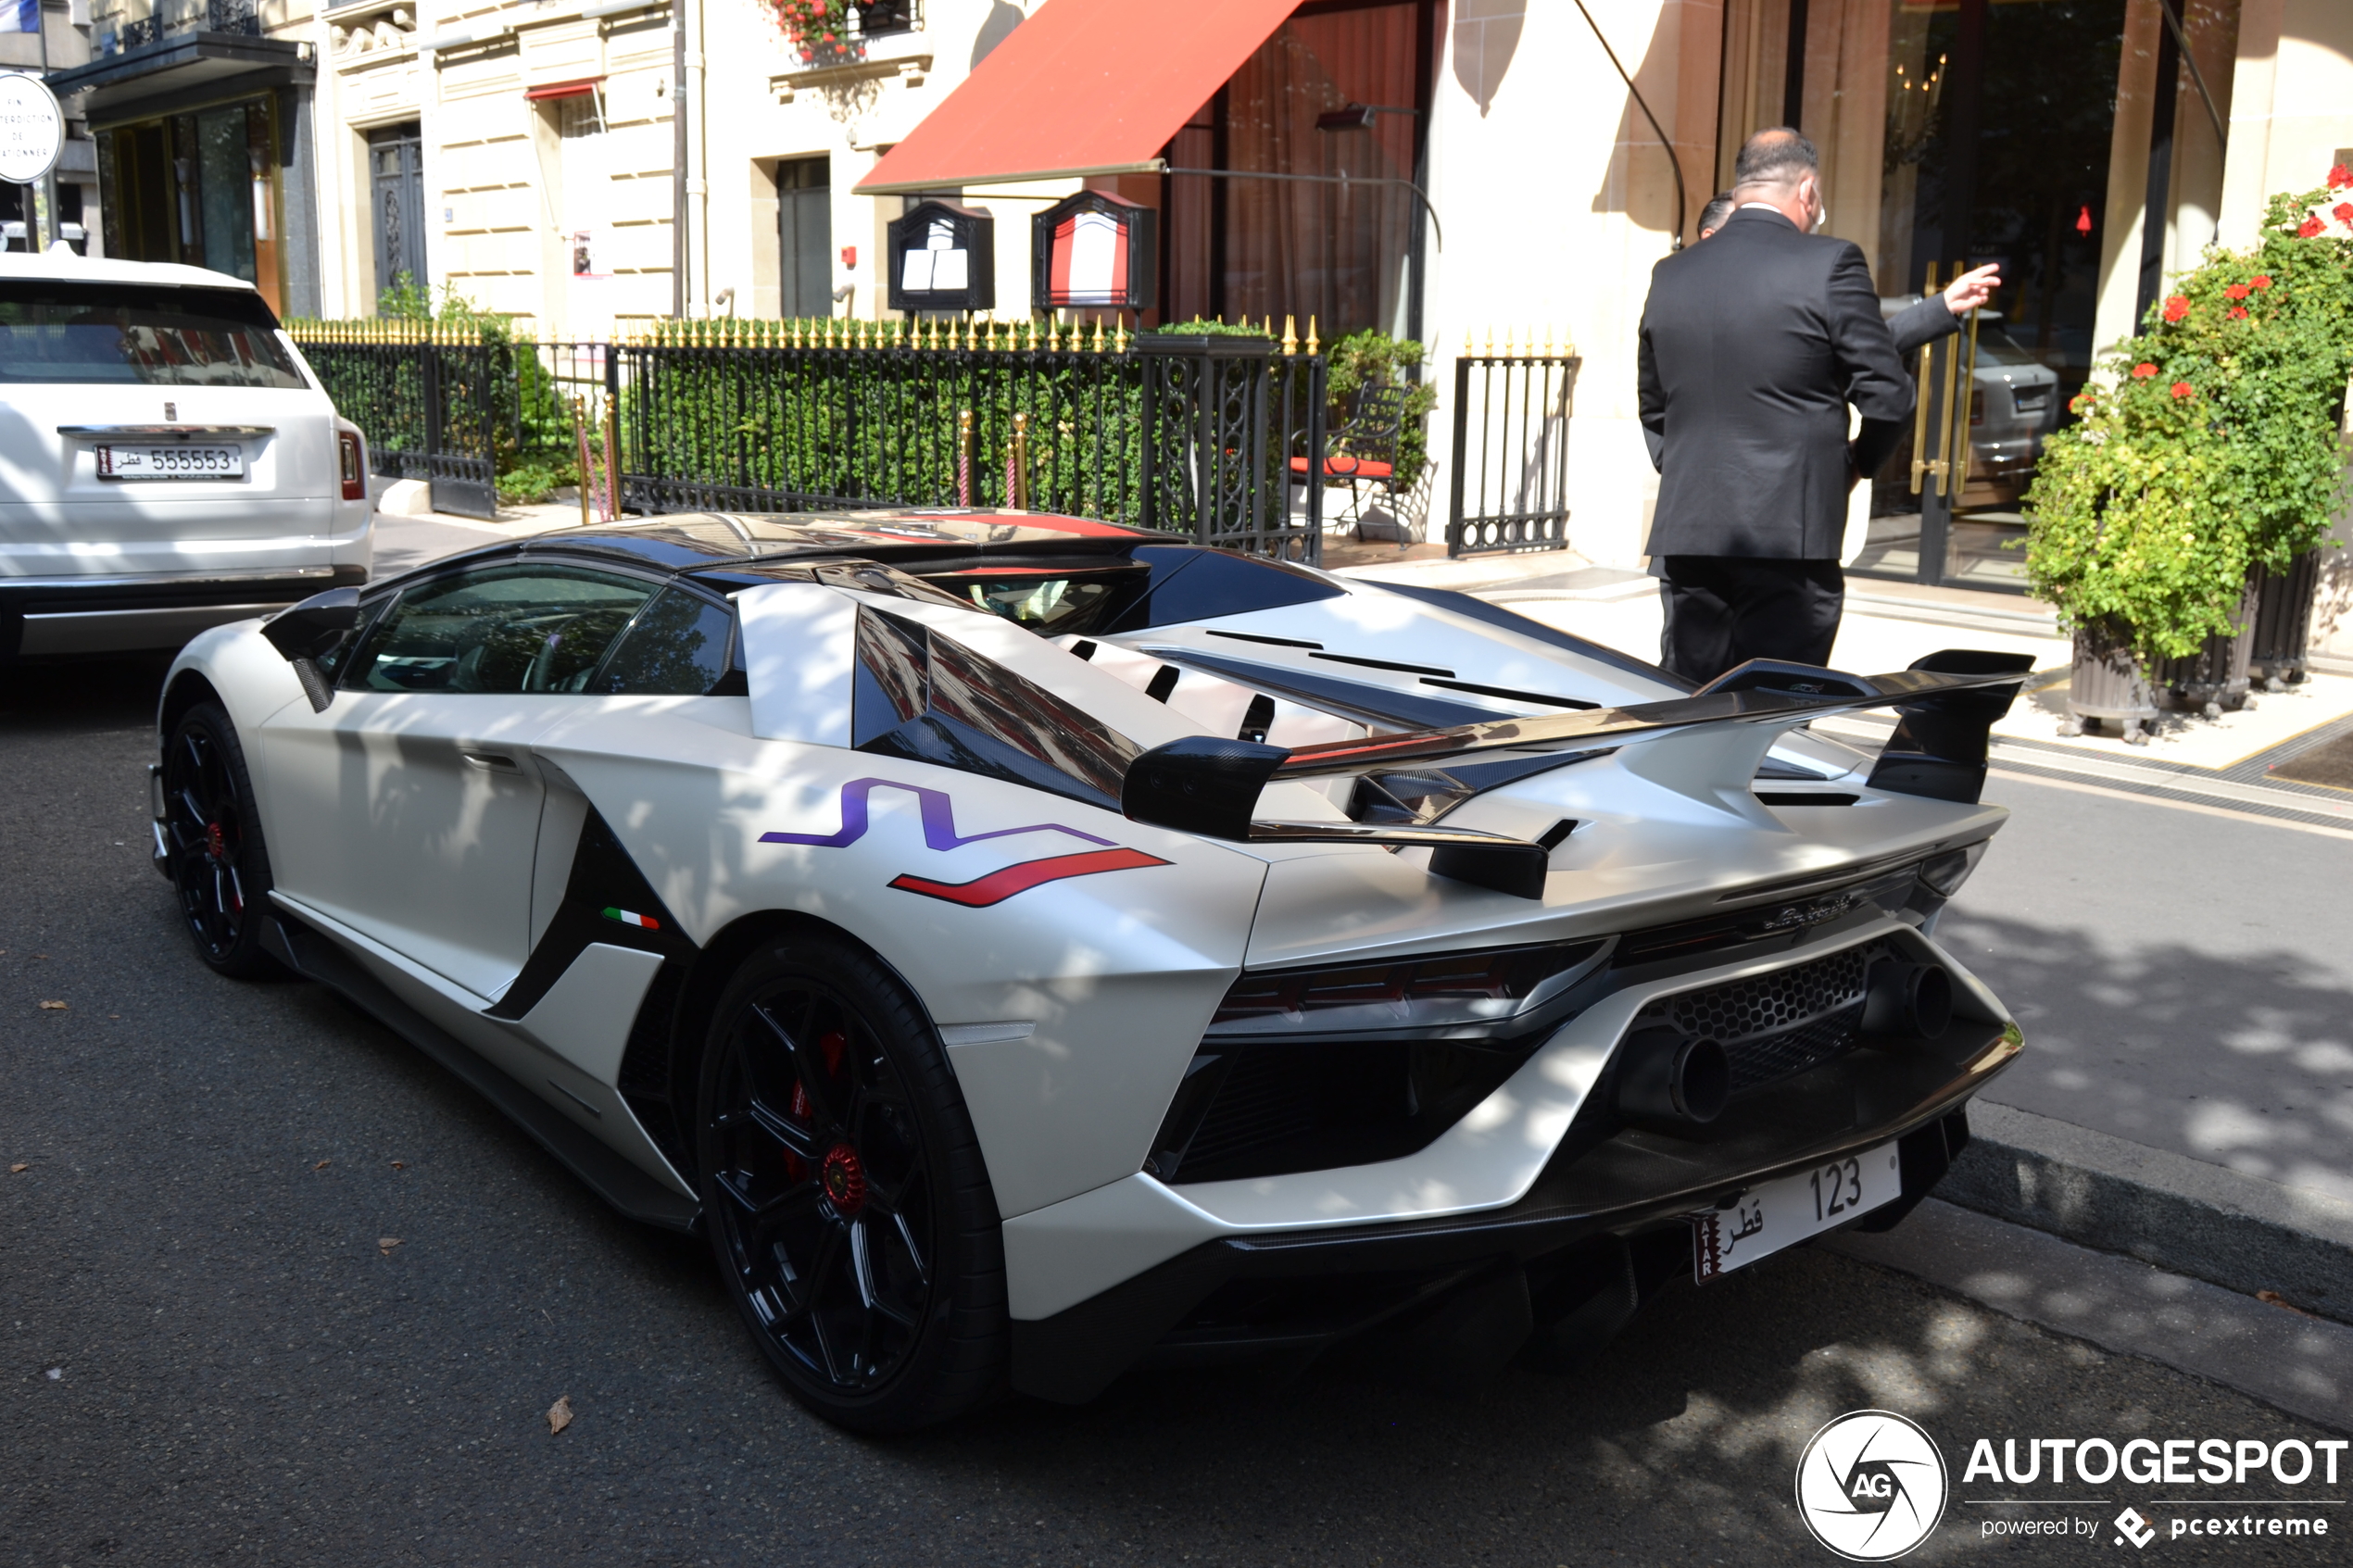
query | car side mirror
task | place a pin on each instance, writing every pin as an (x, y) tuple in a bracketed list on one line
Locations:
[(306, 632)]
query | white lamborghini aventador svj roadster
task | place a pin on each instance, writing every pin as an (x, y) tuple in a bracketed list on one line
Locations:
[(1028, 947)]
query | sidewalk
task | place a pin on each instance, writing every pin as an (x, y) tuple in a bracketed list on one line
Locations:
[(2167, 921)]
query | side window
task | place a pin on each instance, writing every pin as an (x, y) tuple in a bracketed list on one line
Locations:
[(523, 628), (677, 647), (371, 611)]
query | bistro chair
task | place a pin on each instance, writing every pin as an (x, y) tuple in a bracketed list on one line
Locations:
[(1364, 451)]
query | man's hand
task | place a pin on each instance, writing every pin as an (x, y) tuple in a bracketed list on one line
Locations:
[(1972, 288)]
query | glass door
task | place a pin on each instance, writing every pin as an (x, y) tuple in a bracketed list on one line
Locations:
[(1954, 134), (2000, 126)]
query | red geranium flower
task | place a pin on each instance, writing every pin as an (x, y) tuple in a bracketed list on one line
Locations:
[(2238, 312), (2260, 280), (2343, 213), (2176, 308), (2143, 370), (2236, 291), (2339, 177), (2308, 228), (2183, 389)]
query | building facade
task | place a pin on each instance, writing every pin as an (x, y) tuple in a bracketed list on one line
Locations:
[(61, 42), (1458, 171)]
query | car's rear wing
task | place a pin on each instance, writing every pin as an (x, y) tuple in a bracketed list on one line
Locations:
[(1948, 700)]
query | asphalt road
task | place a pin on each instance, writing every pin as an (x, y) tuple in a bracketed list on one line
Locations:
[(2184, 979), (210, 1357)]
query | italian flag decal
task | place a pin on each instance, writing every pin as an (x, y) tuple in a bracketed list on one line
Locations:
[(628, 916)]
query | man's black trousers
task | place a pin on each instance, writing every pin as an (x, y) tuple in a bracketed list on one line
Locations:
[(1724, 610)]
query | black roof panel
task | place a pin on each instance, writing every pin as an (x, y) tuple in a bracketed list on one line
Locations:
[(692, 539)]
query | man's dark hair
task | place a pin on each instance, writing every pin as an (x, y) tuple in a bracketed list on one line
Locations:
[(1718, 207), (1778, 156)]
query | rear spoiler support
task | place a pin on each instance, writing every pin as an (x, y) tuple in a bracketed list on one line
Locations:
[(1948, 702)]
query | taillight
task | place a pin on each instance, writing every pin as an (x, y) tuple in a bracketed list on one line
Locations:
[(1498, 975), (354, 462)]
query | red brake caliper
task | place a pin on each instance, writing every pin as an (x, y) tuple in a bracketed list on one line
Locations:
[(832, 1043)]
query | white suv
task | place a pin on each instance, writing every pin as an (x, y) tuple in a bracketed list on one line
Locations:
[(168, 460)]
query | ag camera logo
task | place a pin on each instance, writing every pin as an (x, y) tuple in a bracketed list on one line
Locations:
[(1871, 1485)]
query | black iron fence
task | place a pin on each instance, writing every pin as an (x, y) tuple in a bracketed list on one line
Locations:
[(434, 402), (1508, 486), (1189, 435)]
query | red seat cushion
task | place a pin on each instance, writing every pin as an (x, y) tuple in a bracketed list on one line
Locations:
[(1345, 467)]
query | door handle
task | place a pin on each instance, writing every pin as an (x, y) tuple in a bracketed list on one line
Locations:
[(1924, 461), (490, 761), (1956, 464)]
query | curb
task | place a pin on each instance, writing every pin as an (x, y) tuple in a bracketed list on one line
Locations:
[(2186, 1215), (2303, 1365)]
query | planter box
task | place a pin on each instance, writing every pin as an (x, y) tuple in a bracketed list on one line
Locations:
[(2214, 680), (2284, 621), (2107, 687)]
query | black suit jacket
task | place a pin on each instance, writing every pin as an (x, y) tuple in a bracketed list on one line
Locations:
[(1754, 343), (1924, 323)]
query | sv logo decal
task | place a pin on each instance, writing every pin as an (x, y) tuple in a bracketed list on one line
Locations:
[(939, 814)]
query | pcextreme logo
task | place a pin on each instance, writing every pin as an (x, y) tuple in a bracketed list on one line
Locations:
[(1871, 1485)]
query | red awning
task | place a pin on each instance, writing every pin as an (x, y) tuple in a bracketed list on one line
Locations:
[(1082, 87), (565, 89)]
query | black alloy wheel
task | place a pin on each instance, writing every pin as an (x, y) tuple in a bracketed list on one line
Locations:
[(212, 834), (844, 1192)]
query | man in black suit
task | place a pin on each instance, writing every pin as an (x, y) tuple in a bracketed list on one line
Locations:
[(1752, 345)]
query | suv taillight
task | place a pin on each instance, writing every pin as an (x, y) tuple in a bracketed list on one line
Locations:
[(354, 464)]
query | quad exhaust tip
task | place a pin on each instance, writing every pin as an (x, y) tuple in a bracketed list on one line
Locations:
[(1914, 999), (1671, 1078)]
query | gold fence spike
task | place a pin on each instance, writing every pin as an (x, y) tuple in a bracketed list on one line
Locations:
[(1491, 343), (1290, 338), (1119, 336), (1314, 346)]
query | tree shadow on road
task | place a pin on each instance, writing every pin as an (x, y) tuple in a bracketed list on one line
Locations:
[(2245, 1060)]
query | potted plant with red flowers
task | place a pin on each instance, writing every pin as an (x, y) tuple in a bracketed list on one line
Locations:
[(2205, 461), (820, 32)]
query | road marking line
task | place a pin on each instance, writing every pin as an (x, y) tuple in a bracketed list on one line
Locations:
[(2009, 777)]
